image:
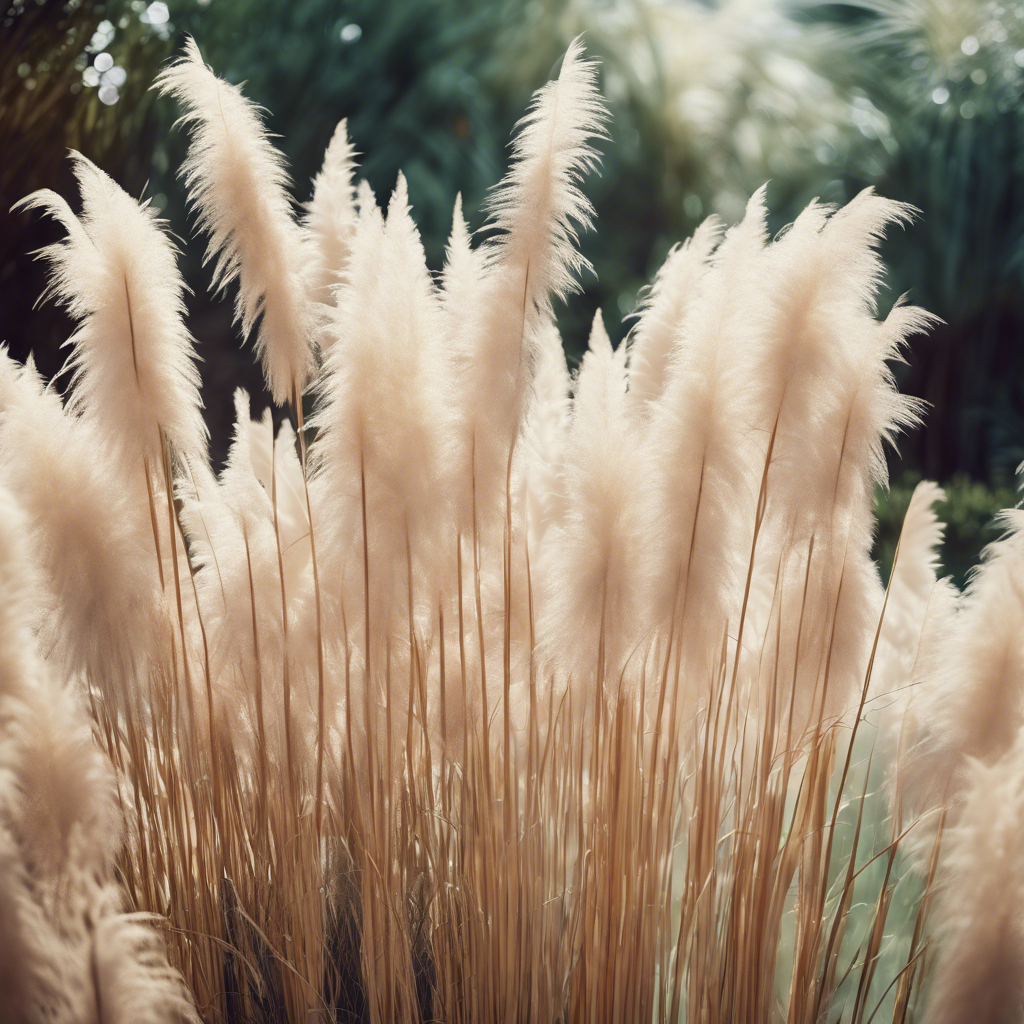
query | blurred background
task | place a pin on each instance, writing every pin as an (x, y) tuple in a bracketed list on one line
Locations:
[(921, 99)]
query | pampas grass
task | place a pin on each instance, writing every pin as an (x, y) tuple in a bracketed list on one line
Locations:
[(488, 693), (237, 184)]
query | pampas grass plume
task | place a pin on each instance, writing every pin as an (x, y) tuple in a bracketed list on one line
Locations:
[(331, 214), (238, 186), (979, 977), (663, 310), (133, 362), (530, 258)]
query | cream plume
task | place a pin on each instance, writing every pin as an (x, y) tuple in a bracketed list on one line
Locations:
[(536, 212), (547, 426), (590, 575), (978, 977), (381, 431), (663, 310), (34, 975), (828, 403), (38, 976), (135, 983), (238, 185), (331, 215), (275, 462), (919, 614), (825, 360), (382, 378), (230, 526), (969, 704), (60, 831), (99, 608), (537, 206), (704, 464), (463, 270), (133, 361), (911, 596)]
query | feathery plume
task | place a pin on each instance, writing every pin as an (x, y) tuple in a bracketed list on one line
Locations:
[(536, 212), (275, 461), (331, 215), (37, 977), (382, 377), (134, 982), (547, 425), (910, 597), (380, 449), (969, 705), (703, 463), (919, 610), (238, 185), (99, 608), (31, 979), (589, 572), (663, 311), (238, 561), (828, 403), (538, 205), (133, 361), (825, 360), (60, 831), (979, 974), (462, 273), (16, 612), (64, 783)]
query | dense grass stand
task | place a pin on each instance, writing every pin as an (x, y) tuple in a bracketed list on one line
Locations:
[(464, 699)]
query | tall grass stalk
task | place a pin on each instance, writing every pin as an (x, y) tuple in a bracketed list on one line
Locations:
[(464, 700)]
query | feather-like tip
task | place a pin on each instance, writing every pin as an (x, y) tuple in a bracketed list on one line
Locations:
[(330, 215), (133, 361), (238, 185)]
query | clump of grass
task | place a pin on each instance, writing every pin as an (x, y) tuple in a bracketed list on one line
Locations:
[(465, 700)]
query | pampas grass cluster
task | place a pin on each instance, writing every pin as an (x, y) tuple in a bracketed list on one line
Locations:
[(487, 692)]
